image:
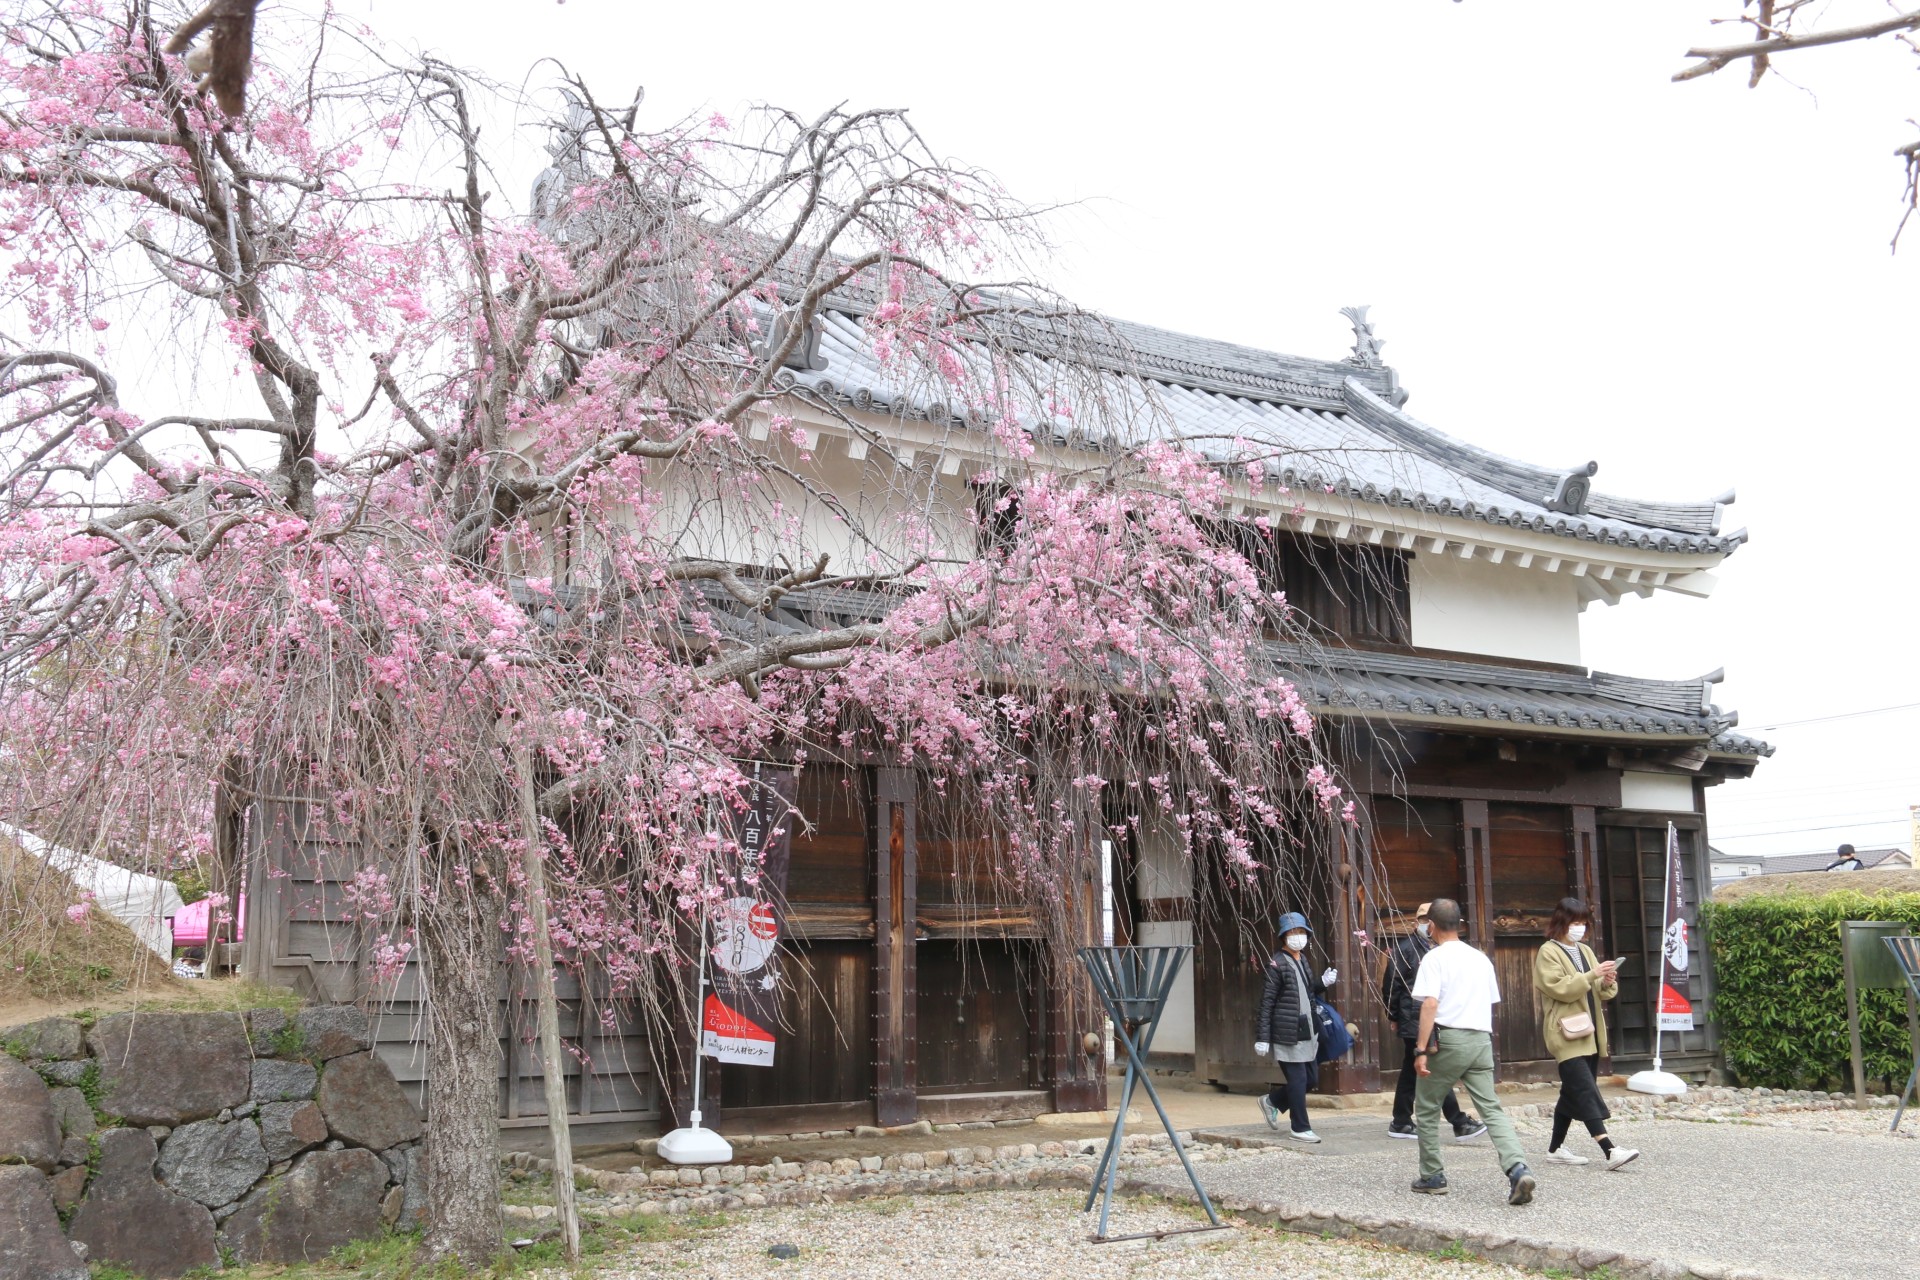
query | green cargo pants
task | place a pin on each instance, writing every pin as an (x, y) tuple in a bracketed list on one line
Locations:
[(1465, 1057)]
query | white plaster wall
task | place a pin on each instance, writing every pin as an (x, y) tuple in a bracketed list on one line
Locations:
[(1663, 792), (1176, 1024), (1502, 610)]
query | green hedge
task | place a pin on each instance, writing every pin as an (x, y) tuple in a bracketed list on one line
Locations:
[(1781, 998)]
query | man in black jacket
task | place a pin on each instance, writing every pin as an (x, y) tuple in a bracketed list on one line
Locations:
[(1396, 993)]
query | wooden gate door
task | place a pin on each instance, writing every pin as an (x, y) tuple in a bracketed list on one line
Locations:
[(975, 1014), (1418, 843), (823, 1055), (978, 1003), (1532, 869)]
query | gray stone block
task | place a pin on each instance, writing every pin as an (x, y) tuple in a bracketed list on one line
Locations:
[(283, 1081), (413, 1204), (74, 1115), (330, 1198), (49, 1038), (212, 1161), (170, 1068), (333, 1031), (29, 1126), (364, 1105), (288, 1128), (66, 1073), (32, 1246), (128, 1218)]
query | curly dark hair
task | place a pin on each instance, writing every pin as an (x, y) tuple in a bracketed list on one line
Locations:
[(1569, 911)]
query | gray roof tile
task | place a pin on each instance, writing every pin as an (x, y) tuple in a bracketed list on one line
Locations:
[(1336, 424)]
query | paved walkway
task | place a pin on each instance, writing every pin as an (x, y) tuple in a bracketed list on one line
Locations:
[(1788, 1202)]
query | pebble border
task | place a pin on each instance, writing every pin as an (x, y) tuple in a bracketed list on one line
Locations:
[(1063, 1165)]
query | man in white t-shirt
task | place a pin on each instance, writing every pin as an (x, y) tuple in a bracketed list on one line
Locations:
[(1456, 990)]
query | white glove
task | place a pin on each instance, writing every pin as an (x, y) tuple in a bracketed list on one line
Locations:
[(1260, 1048), (1330, 977)]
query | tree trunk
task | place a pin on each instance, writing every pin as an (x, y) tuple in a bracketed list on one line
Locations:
[(460, 934), (552, 1053)]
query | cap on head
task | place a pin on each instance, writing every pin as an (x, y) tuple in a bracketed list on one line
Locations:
[(1421, 912), (1445, 914), (1294, 922)]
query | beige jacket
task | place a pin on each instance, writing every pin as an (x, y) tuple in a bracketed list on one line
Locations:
[(1563, 992)]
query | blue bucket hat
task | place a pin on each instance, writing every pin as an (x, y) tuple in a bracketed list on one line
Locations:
[(1294, 920)]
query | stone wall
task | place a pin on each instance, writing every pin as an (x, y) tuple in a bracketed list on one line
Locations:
[(169, 1141)]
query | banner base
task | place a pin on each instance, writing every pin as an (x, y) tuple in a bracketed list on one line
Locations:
[(695, 1146), (1663, 1084)]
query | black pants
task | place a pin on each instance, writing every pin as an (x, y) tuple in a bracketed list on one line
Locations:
[(1403, 1092), (1291, 1095), (1579, 1099)]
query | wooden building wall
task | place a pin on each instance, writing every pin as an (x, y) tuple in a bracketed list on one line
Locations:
[(913, 992), (299, 936), (1507, 837)]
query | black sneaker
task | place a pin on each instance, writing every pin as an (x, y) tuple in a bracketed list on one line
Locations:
[(1468, 1129), (1520, 1183), (1434, 1184), (1403, 1129)]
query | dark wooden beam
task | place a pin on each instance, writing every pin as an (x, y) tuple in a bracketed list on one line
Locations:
[(896, 1037)]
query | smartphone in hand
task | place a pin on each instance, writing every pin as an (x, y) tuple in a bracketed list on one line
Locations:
[(1619, 964)]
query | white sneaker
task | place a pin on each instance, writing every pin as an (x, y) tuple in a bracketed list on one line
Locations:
[(1622, 1156), (1308, 1135), (1561, 1155)]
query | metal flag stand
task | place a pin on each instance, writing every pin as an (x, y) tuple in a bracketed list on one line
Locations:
[(1133, 983)]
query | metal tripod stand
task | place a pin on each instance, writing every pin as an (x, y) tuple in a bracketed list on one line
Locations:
[(1133, 983)]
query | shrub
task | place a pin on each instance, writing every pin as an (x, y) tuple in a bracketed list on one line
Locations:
[(1782, 997)]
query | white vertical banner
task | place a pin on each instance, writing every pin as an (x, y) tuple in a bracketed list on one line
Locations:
[(1676, 1008)]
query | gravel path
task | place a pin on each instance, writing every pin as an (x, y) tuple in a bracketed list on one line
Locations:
[(1782, 1198), (1019, 1235)]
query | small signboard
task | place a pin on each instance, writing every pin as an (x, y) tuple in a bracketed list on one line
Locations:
[(1870, 965)]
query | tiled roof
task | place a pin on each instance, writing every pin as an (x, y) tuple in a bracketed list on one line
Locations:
[(1338, 425), (1340, 681), (1346, 681)]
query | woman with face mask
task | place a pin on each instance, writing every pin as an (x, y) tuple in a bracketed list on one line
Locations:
[(1573, 985), (1286, 1027)]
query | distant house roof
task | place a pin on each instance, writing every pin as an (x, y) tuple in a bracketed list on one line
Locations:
[(1339, 420), (1787, 863)]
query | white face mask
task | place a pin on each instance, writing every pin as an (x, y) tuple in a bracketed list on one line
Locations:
[(1297, 941), (1575, 932), (1424, 928)]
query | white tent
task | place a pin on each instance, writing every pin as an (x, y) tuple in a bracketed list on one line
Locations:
[(146, 904)]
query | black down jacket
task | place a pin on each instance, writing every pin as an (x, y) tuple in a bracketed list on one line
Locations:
[(1278, 1001), (1396, 984)]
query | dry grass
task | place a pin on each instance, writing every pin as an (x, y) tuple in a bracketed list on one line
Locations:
[(48, 960), (1809, 883)]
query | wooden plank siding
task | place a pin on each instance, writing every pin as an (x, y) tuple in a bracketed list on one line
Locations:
[(300, 936)]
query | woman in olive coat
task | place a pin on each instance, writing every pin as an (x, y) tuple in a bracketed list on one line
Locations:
[(1574, 984)]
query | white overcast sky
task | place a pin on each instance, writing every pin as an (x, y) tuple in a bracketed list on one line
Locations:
[(1570, 258)]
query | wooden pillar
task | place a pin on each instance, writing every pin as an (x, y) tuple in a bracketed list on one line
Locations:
[(895, 1036), (1069, 1011), (1586, 863), (1354, 993), (1476, 855)]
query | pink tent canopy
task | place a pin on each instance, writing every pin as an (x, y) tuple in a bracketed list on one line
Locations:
[(190, 924)]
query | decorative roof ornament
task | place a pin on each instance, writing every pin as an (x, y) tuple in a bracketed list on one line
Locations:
[(1366, 347), (568, 145), (1570, 494)]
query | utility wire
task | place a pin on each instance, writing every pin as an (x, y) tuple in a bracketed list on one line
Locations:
[(1794, 831), (1844, 715)]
